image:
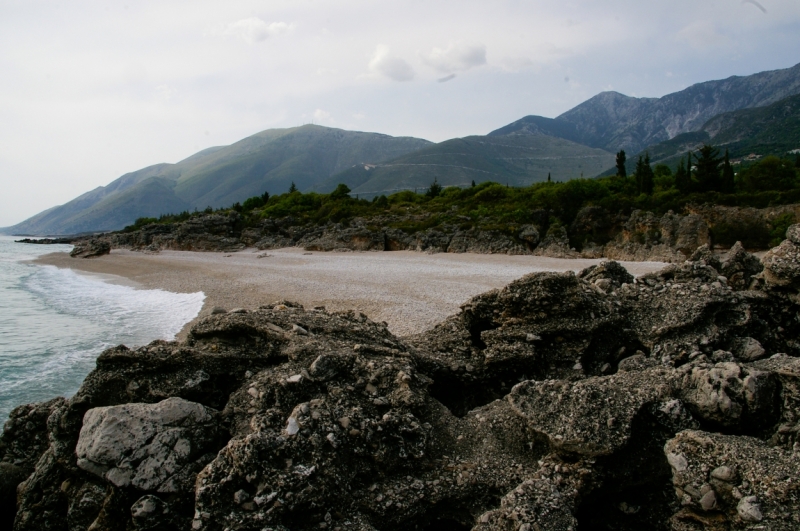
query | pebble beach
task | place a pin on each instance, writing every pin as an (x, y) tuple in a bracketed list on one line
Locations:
[(410, 291)]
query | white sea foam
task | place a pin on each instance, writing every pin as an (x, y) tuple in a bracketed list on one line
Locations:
[(152, 313), (55, 322)]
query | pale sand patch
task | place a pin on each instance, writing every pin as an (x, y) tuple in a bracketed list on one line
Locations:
[(410, 291)]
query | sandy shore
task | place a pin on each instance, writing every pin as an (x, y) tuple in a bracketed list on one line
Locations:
[(410, 291)]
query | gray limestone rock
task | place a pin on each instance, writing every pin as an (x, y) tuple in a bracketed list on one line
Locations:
[(152, 447), (730, 395)]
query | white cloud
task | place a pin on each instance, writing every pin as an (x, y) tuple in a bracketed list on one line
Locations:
[(322, 116), (253, 29), (456, 57), (391, 66)]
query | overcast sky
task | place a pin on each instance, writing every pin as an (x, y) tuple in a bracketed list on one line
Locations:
[(92, 90)]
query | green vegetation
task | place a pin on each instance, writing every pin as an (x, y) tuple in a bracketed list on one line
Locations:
[(494, 206)]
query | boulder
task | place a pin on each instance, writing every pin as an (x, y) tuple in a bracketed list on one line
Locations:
[(151, 447), (601, 410), (730, 396), (782, 264), (740, 267), (90, 249)]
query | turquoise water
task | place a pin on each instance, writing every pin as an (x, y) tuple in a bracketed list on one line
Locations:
[(55, 322)]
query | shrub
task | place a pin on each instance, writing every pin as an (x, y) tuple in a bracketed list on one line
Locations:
[(752, 233), (778, 228)]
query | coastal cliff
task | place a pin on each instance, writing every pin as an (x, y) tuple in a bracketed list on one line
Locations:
[(562, 401)]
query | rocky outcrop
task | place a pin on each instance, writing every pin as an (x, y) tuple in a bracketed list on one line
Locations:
[(594, 233), (90, 249), (562, 401), (209, 232), (45, 241)]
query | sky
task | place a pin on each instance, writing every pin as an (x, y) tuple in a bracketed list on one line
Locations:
[(91, 90)]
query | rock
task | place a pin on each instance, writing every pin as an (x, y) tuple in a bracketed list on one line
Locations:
[(555, 244), (151, 447), (749, 510), (740, 267), (561, 401), (730, 396), (530, 235), (782, 266), (793, 234), (10, 477), (764, 489), (148, 512), (704, 254), (607, 275), (90, 249), (787, 371), (749, 349), (591, 430)]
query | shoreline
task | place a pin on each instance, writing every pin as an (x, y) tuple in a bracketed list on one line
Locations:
[(410, 291)]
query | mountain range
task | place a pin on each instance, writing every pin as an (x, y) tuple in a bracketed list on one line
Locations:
[(756, 112), (770, 130)]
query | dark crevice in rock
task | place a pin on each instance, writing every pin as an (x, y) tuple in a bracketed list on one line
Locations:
[(636, 491), (460, 397)]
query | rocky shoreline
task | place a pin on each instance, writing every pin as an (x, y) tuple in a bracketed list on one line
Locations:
[(595, 233), (560, 402)]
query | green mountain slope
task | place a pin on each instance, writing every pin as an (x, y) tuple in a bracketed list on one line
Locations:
[(149, 198), (219, 176), (306, 156), (516, 160)]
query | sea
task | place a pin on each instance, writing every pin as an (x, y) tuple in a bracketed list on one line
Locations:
[(55, 322)]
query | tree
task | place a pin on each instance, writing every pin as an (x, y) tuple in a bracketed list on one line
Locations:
[(621, 170), (644, 175), (265, 197), (771, 173), (728, 183), (473, 183), (434, 189), (342, 191), (548, 177), (683, 180), (292, 188), (797, 161), (707, 173), (648, 179), (638, 172)]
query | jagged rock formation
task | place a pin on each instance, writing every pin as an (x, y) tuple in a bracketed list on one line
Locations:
[(560, 402), (595, 233)]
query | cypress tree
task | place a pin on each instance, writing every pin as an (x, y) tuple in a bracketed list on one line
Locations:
[(640, 171), (548, 177), (648, 178), (728, 178), (621, 171), (708, 174), (682, 179), (292, 188)]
